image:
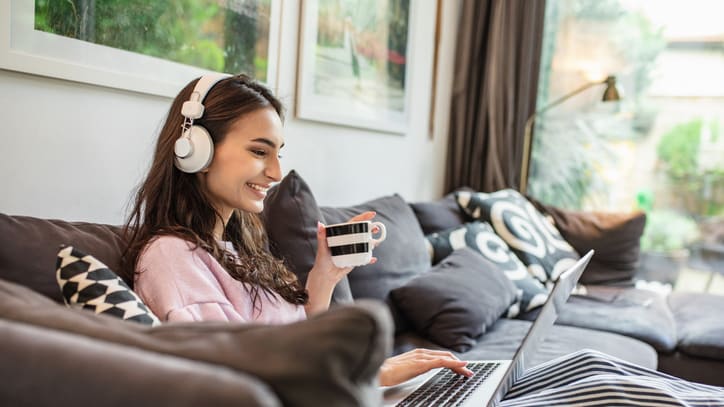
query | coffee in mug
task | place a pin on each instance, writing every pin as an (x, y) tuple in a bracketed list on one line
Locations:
[(351, 243)]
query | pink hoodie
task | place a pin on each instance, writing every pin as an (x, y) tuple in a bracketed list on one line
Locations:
[(179, 283)]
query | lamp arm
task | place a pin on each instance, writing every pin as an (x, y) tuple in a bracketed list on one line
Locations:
[(528, 134), (566, 97)]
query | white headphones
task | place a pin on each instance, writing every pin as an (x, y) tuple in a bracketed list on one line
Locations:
[(194, 149)]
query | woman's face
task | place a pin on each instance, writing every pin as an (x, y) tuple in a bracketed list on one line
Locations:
[(245, 163)]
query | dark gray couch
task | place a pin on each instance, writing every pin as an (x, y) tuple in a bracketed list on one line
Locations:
[(55, 355)]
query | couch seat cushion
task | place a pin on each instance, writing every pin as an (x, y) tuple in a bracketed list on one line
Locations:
[(502, 340), (699, 323), (639, 314)]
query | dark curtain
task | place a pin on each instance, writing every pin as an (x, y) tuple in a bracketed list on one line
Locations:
[(494, 91)]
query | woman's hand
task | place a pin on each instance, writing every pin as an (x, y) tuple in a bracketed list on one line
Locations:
[(324, 275), (323, 261), (401, 368)]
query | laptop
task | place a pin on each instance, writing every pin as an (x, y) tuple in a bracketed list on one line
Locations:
[(492, 378)]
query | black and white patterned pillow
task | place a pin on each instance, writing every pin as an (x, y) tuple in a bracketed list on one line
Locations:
[(530, 235), (89, 284), (481, 237)]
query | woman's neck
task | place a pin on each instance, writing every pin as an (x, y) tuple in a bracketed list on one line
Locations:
[(220, 225)]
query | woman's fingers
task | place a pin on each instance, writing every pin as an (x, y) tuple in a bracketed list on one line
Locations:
[(440, 358), (321, 237), (363, 216), (400, 368), (457, 366)]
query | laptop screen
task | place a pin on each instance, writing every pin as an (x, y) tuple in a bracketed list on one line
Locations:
[(543, 322)]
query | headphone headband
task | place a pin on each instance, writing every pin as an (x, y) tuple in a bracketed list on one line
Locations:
[(194, 108)]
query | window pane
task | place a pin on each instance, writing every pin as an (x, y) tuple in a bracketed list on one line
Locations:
[(221, 36), (659, 149)]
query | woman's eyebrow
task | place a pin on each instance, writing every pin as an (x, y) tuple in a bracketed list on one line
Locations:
[(267, 142)]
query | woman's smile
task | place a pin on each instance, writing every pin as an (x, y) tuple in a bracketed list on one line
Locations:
[(260, 190)]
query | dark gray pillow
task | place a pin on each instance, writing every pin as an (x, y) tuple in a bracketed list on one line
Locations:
[(442, 214), (455, 302), (400, 257), (481, 237), (533, 238), (290, 216)]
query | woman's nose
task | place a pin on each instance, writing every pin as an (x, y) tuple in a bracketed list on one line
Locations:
[(274, 169)]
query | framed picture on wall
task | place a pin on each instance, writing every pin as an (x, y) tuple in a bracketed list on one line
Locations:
[(139, 45), (354, 63)]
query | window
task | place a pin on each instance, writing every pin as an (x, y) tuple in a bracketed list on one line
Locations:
[(659, 149)]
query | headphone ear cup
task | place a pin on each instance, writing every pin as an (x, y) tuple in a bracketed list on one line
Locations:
[(202, 151)]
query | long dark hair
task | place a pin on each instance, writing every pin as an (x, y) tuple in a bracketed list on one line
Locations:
[(171, 202)]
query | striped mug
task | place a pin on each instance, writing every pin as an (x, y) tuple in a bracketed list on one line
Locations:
[(351, 243)]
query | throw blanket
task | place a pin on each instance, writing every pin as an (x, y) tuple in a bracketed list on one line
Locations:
[(590, 378)]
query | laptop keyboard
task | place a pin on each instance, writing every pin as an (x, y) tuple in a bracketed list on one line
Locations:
[(447, 388)]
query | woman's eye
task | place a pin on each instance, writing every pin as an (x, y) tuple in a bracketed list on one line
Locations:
[(260, 153)]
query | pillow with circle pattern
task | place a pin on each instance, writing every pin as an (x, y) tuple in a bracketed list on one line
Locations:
[(480, 237), (89, 284), (534, 239)]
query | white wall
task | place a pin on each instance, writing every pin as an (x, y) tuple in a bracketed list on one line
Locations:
[(76, 151)]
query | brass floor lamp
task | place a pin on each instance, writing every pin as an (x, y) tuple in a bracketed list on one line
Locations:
[(610, 94)]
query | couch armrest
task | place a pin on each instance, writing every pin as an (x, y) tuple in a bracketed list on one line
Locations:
[(44, 367), (330, 359)]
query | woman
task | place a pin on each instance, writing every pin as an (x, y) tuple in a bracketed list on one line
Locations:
[(197, 246), (197, 250)]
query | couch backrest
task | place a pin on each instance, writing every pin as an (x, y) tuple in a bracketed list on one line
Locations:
[(29, 247)]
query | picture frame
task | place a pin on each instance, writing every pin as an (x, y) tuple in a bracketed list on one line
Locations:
[(354, 63), (26, 49)]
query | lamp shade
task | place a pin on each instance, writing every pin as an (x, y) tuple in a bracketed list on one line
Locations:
[(611, 93)]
